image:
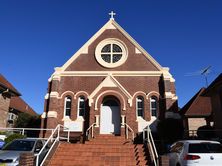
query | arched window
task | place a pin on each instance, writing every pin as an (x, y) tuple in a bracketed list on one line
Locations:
[(81, 106), (140, 106), (67, 106), (154, 106)]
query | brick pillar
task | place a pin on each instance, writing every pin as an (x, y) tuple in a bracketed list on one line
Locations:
[(27, 159)]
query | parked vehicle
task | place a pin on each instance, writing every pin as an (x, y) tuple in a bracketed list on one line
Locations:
[(195, 152), (2, 143), (11, 152)]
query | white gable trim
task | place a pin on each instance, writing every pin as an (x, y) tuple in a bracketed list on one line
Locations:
[(111, 24), (84, 48), (110, 81), (112, 91), (140, 49)]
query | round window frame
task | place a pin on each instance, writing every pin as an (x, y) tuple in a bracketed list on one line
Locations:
[(111, 41)]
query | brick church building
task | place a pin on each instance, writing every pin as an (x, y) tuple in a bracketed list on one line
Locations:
[(110, 81)]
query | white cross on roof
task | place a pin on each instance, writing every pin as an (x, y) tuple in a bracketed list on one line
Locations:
[(112, 14)]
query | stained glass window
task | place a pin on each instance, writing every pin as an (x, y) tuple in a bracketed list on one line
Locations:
[(111, 53)]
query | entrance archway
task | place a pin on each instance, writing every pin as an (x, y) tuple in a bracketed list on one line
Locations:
[(110, 116)]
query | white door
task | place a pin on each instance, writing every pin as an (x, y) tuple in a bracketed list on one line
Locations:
[(109, 120)]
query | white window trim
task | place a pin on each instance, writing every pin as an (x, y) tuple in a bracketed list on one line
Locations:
[(78, 116), (64, 114), (151, 109), (12, 116), (137, 100), (111, 41)]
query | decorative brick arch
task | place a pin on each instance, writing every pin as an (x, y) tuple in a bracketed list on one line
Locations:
[(81, 93), (67, 93), (111, 93), (140, 93), (153, 93)]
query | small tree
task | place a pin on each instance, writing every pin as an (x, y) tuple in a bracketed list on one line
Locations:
[(25, 120), (170, 130)]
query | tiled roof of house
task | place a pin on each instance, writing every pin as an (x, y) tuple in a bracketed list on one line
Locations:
[(5, 84), (20, 105), (216, 84), (197, 106)]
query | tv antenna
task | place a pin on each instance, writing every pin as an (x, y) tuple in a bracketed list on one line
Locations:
[(204, 72)]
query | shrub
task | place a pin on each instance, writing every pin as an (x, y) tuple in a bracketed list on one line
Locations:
[(205, 132), (13, 136), (170, 130), (25, 120)]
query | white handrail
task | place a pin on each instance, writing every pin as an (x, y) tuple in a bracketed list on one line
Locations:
[(22, 130), (88, 130), (148, 138), (127, 132), (56, 139)]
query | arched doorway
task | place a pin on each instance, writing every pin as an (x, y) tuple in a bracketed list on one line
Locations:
[(110, 116)]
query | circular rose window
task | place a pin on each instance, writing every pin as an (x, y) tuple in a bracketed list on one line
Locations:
[(111, 53)]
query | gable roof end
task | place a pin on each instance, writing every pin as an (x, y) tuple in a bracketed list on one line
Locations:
[(111, 24), (6, 85)]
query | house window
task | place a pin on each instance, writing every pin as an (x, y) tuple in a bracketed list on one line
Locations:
[(140, 106), (68, 104), (111, 53), (81, 106), (153, 106)]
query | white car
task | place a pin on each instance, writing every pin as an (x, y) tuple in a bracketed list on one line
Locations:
[(195, 153)]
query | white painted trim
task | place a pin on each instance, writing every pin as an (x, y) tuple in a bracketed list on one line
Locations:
[(54, 94), (66, 92), (111, 41), (137, 51), (148, 56), (47, 96), (52, 114), (168, 95), (110, 91), (43, 116), (152, 92), (139, 92), (114, 73), (85, 46), (110, 81), (81, 92)]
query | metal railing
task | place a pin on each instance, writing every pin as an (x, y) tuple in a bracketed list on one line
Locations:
[(91, 128), (23, 131), (50, 143), (148, 140), (127, 129)]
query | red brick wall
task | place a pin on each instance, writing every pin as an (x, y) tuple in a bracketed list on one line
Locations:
[(87, 62), (4, 108)]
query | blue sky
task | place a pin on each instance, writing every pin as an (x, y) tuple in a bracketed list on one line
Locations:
[(38, 35)]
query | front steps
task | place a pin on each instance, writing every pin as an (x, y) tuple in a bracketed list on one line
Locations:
[(104, 150)]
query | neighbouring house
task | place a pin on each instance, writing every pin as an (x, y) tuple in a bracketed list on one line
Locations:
[(17, 106), (11, 104), (109, 82), (7, 90), (196, 113), (214, 91)]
